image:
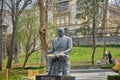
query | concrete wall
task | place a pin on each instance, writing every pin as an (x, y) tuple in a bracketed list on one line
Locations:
[(99, 40)]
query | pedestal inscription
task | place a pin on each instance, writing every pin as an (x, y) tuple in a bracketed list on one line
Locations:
[(52, 77)]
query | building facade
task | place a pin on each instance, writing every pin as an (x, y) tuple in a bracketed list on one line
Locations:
[(112, 21), (64, 12)]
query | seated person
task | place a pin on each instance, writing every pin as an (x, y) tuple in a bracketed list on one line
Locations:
[(110, 58), (61, 46), (106, 58)]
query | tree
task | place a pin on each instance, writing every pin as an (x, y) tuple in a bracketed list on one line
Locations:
[(84, 30), (104, 23), (42, 31), (94, 27), (48, 6), (16, 7), (88, 12), (1, 30), (28, 25)]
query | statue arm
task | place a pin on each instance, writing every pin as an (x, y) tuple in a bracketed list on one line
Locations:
[(69, 46), (53, 49)]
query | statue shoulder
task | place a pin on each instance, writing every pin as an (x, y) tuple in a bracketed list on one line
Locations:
[(54, 39), (68, 37)]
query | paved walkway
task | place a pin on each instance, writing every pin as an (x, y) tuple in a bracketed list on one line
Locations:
[(91, 74)]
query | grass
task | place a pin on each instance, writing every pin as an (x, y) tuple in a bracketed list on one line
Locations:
[(79, 56), (34, 60), (19, 73), (82, 55), (14, 77)]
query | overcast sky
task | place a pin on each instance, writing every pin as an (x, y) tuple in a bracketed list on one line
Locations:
[(113, 1)]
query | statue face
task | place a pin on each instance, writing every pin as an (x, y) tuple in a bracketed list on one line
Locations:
[(60, 32)]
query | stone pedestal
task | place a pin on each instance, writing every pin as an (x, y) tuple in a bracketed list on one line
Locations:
[(54, 77)]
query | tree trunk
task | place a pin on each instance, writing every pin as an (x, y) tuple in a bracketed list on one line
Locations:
[(42, 31), (15, 12), (1, 30), (26, 59), (46, 12), (94, 25), (12, 43), (104, 24)]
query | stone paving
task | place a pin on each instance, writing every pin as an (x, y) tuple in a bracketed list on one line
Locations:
[(91, 74)]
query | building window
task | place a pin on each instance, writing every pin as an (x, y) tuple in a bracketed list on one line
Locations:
[(112, 14), (62, 6)]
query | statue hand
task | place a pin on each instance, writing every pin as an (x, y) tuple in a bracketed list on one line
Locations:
[(63, 52), (49, 52)]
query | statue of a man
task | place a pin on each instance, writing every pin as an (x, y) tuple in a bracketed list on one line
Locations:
[(61, 46)]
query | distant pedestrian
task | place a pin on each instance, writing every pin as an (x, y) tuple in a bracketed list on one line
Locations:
[(106, 58), (110, 57)]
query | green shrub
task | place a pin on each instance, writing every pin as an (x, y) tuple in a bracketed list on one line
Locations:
[(109, 66), (26, 68), (116, 70), (113, 77)]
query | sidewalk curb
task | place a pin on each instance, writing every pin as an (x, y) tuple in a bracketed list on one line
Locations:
[(90, 70)]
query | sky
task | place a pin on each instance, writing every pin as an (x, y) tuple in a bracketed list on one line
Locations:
[(113, 2)]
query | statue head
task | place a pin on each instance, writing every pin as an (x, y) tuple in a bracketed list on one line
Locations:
[(60, 32)]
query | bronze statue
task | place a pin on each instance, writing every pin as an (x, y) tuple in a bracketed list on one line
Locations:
[(57, 58)]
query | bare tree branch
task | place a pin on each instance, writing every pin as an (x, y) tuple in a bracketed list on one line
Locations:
[(8, 5), (27, 2), (117, 3)]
